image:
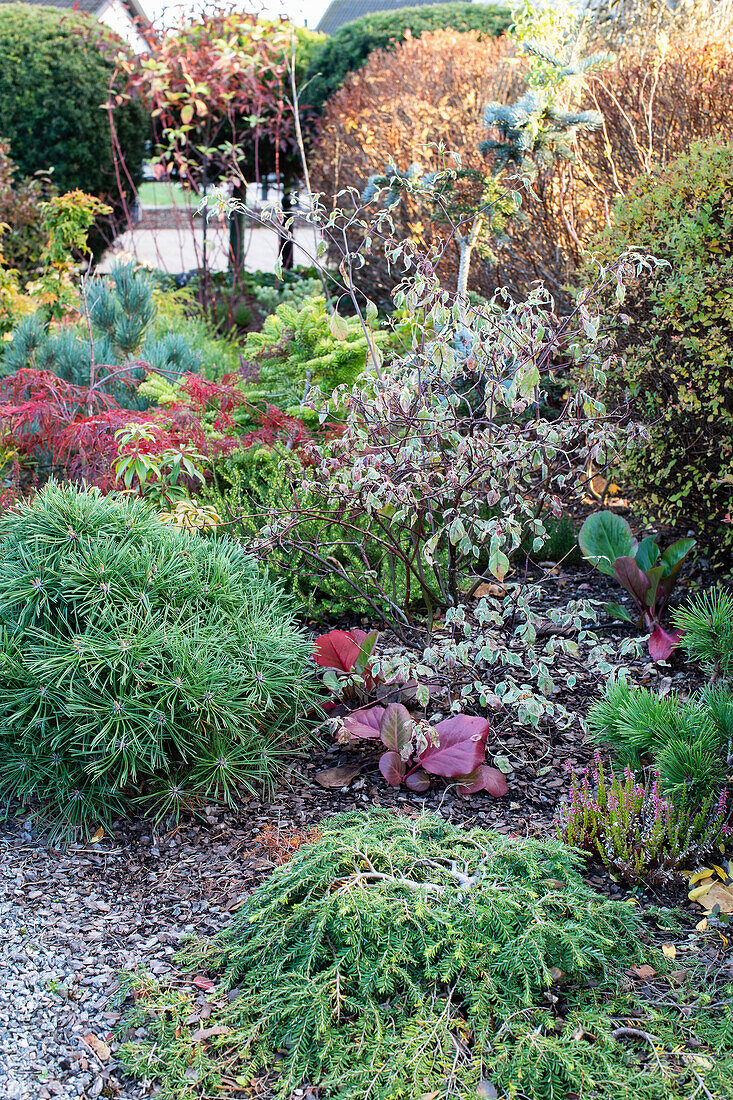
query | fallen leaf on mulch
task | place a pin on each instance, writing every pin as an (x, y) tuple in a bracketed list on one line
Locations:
[(711, 886), (719, 895), (202, 982), (209, 1033), (99, 1047), (497, 590), (669, 950), (337, 777), (644, 971)]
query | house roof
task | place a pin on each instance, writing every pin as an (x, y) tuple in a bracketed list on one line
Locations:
[(340, 12), (91, 7)]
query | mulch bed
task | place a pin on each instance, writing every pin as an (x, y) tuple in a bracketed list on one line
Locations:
[(129, 899)]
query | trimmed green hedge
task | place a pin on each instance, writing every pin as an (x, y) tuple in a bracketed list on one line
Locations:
[(55, 71), (675, 370), (350, 46)]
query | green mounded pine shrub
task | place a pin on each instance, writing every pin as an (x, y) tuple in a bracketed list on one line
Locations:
[(687, 740), (350, 46), (137, 662), (55, 72), (707, 626), (676, 346), (402, 957)]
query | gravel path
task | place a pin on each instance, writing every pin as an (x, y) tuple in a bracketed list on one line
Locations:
[(69, 921)]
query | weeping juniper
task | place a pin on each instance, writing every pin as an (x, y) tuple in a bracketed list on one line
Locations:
[(403, 957), (137, 662)]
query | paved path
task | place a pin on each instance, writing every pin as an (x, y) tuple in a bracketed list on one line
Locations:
[(180, 249)]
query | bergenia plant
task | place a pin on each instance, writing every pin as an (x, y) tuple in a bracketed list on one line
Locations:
[(647, 574), (454, 749), (346, 656)]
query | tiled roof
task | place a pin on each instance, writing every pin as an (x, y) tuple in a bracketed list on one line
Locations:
[(346, 11)]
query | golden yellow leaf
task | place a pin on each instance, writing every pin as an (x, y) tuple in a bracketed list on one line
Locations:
[(669, 950), (98, 835), (702, 890), (699, 875), (702, 925)]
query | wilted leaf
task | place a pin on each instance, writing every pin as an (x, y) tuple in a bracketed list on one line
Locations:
[(715, 895), (209, 1033), (202, 982), (97, 836), (99, 1047), (644, 971), (487, 1091), (337, 777), (339, 327), (503, 764), (669, 950)]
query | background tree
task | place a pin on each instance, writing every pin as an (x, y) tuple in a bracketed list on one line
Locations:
[(218, 88)]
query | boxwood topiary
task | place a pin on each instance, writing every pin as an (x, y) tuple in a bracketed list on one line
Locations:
[(137, 661), (55, 72), (676, 348), (350, 46)]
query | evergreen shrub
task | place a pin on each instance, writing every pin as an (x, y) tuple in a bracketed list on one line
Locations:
[(403, 957), (137, 661), (676, 342), (55, 73), (295, 358), (351, 45), (688, 741), (122, 310)]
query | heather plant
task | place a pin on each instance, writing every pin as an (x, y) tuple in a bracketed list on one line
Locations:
[(142, 665), (395, 955), (635, 830)]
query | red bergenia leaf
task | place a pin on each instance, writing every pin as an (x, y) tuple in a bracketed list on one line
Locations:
[(396, 727), (630, 577), (339, 649), (392, 767), (418, 781), (662, 642), (487, 779), (460, 749), (364, 724)]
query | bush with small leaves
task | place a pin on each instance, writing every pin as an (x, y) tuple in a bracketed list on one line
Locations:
[(138, 664)]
